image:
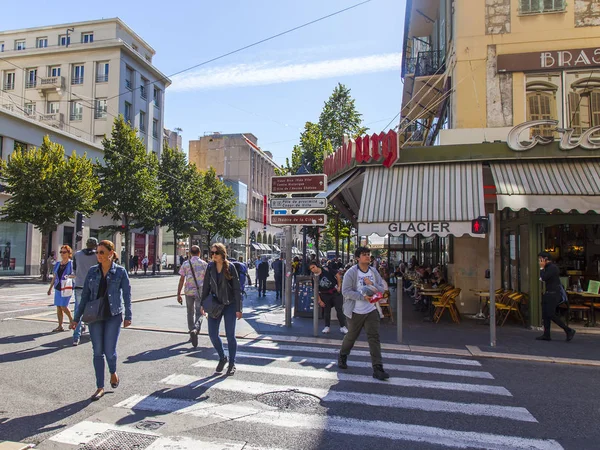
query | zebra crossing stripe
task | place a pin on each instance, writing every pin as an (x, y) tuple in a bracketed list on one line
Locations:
[(399, 431), (385, 355), (400, 367), (323, 374), (329, 396)]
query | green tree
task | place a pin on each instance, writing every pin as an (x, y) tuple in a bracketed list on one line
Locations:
[(340, 117), (185, 197), (45, 188), (220, 219), (129, 185)]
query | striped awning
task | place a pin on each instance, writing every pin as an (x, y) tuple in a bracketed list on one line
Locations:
[(425, 199), (548, 185)]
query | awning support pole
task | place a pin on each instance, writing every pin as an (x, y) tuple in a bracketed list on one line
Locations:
[(492, 251), (399, 292)]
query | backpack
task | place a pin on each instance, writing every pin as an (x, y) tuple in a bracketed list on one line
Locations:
[(242, 271), (563, 295)]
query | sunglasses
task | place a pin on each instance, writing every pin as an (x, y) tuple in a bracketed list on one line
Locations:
[(214, 253), (101, 252), (63, 251)]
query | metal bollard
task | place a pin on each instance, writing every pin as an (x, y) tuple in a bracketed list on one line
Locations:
[(316, 306), (399, 291)]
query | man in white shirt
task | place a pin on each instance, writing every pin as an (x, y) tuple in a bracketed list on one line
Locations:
[(360, 283), (193, 290)]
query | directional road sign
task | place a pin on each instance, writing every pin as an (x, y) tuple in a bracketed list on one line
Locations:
[(299, 203), (290, 184), (280, 211), (315, 220)]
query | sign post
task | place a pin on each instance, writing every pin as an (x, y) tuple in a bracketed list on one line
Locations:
[(316, 306), (492, 250), (399, 291), (288, 277), (299, 203)]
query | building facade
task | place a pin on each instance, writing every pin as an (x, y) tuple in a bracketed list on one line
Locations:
[(240, 162), (69, 82), (499, 114)]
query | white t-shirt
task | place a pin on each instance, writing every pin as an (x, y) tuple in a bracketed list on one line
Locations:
[(363, 306)]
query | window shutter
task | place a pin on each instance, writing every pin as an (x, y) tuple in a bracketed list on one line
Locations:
[(595, 108), (574, 115)]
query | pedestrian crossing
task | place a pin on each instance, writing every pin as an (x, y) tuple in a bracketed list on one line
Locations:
[(428, 402)]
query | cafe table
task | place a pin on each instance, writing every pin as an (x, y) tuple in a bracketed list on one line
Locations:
[(593, 298), (430, 292), (482, 295)]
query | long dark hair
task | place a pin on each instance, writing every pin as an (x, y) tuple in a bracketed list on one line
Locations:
[(221, 250)]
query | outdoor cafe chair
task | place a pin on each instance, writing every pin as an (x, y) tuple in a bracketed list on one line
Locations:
[(510, 303), (447, 302)]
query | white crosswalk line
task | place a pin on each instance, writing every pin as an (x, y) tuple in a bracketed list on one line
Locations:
[(385, 355), (327, 375), (328, 395), (399, 367)]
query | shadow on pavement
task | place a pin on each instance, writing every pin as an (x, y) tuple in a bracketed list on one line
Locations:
[(23, 427), (20, 339), (42, 350), (160, 353)]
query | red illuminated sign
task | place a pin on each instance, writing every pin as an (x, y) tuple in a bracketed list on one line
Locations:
[(379, 148)]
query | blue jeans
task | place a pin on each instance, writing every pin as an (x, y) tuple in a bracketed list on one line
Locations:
[(104, 335), (77, 332), (213, 333)]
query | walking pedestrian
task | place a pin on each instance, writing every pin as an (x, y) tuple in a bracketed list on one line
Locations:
[(360, 283), (549, 274), (61, 271), (50, 262), (145, 265), (192, 274), (82, 263), (330, 286), (110, 283), (262, 273), (136, 263), (278, 273), (223, 285)]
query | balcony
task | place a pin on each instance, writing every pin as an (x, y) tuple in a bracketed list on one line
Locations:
[(100, 114), (55, 120), (143, 92), (102, 78), (30, 84), (75, 117), (425, 64), (9, 86), (49, 84)]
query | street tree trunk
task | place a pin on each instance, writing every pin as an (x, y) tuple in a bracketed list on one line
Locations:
[(127, 243), (175, 252), (337, 235)]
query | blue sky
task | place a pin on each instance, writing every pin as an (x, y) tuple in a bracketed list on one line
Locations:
[(272, 89)]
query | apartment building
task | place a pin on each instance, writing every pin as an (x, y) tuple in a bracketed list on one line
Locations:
[(69, 82), (248, 169), (78, 77)]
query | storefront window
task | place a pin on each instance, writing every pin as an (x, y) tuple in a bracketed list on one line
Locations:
[(13, 248)]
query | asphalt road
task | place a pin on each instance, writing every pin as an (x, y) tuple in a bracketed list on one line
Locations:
[(170, 394)]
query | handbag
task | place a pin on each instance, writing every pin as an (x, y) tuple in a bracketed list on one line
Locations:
[(212, 307), (66, 287), (93, 311)]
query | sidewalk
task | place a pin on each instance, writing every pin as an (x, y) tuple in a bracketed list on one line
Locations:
[(12, 280), (264, 318)]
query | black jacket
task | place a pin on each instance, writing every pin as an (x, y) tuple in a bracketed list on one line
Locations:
[(262, 271), (550, 276), (226, 289)]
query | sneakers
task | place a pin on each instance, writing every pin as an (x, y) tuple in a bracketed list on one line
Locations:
[(76, 341), (379, 373), (546, 337), (344, 330), (194, 338), (343, 361), (325, 330), (570, 334), (221, 364), (231, 370)]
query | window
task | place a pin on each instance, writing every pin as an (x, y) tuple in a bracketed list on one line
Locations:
[(155, 128), (77, 75), (127, 112), (76, 110), (156, 97), (142, 121), (101, 109), (64, 40), (87, 38), (20, 44), (41, 42), (583, 101), (54, 71), (52, 107), (129, 78), (544, 102), (143, 92), (30, 109), (9, 81), (1, 46), (102, 72), (540, 6), (31, 78), (135, 47)]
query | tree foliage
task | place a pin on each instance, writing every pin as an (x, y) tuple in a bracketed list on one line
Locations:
[(129, 186), (340, 117), (45, 188)]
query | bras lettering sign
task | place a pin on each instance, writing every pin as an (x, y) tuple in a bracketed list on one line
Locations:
[(549, 60), (379, 148), (566, 142)]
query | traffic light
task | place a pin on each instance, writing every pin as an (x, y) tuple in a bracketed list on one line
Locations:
[(78, 227), (479, 225)]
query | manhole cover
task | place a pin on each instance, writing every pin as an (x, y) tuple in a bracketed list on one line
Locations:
[(289, 400), (150, 425), (119, 440)]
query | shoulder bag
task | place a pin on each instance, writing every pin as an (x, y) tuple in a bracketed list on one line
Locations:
[(93, 311)]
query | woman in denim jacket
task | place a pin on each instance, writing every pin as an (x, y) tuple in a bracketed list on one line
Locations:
[(109, 282)]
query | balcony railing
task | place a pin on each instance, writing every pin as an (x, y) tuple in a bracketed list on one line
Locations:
[(77, 80), (56, 83), (414, 133), (76, 116), (143, 92), (30, 84), (425, 64), (128, 84), (102, 78), (53, 119), (9, 86), (100, 114)]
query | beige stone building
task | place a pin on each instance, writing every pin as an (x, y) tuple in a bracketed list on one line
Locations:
[(237, 158)]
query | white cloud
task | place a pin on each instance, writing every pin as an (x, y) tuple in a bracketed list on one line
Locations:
[(269, 73)]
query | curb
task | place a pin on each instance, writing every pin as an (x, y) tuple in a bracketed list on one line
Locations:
[(10, 445), (477, 352)]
